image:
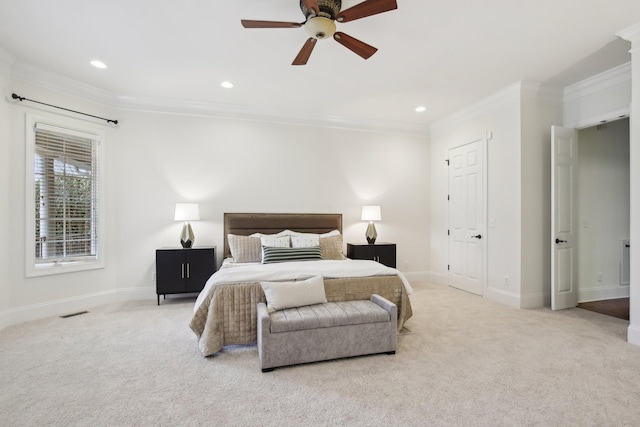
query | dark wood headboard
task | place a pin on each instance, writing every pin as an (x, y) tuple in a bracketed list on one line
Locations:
[(245, 224)]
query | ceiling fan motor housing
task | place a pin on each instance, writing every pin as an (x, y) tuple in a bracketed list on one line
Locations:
[(328, 9)]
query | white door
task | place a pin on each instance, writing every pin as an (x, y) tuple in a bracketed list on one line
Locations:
[(564, 163), (467, 217)]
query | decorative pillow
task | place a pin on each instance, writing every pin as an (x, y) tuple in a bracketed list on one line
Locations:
[(274, 254), (245, 248), (266, 235), (281, 295), (331, 247), (275, 241), (298, 233), (304, 240)]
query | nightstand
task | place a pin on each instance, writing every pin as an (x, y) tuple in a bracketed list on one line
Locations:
[(384, 253), (181, 271)]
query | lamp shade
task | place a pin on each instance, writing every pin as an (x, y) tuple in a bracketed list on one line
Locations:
[(371, 213), (187, 212)]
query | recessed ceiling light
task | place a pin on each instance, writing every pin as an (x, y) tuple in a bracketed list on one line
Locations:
[(421, 109), (226, 85), (99, 64)]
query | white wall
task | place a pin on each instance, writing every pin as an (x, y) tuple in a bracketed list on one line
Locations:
[(517, 189), (633, 34), (499, 115), (541, 108), (227, 165), (57, 294), (247, 166), (5, 202), (603, 209)]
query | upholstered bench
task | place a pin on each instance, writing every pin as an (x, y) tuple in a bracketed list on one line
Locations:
[(326, 331)]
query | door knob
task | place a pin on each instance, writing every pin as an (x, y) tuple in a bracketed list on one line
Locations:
[(558, 241), (477, 236)]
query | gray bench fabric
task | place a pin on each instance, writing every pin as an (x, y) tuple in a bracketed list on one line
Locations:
[(326, 331)]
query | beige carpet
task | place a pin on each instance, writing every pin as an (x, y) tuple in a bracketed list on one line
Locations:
[(468, 361)]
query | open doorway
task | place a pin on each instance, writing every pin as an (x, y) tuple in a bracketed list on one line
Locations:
[(603, 206)]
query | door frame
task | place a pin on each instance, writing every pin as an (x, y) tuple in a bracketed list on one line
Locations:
[(483, 139), (576, 128)]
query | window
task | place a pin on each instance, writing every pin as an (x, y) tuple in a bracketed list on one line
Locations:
[(64, 202)]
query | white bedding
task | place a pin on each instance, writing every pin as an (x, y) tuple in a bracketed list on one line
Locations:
[(256, 272)]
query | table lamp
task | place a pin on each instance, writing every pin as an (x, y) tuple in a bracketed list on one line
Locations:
[(187, 212), (371, 213)]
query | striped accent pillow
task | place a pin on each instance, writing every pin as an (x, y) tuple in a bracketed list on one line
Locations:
[(274, 254)]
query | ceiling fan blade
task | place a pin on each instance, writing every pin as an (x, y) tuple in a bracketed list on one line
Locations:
[(247, 23), (355, 45), (366, 8), (305, 52), (312, 5)]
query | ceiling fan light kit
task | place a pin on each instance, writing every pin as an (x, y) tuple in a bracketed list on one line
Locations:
[(320, 24), (320, 27)]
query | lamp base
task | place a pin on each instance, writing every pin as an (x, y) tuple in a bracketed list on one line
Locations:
[(372, 234), (187, 238)]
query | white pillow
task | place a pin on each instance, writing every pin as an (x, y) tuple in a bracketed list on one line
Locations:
[(297, 233), (275, 241), (281, 295), (305, 240)]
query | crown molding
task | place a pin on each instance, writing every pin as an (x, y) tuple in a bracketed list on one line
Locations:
[(599, 82), (206, 109), (46, 79), (631, 34), (36, 76), (509, 94), (541, 92)]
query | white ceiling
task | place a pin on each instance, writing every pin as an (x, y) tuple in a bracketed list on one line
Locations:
[(442, 55)]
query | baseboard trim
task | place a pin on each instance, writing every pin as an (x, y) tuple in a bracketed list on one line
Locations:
[(64, 306), (438, 278), (416, 276), (507, 298), (535, 300), (608, 292), (633, 335)]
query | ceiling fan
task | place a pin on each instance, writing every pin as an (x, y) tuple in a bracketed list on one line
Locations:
[(320, 17)]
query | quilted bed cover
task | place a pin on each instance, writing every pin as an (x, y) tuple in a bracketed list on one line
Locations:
[(225, 312)]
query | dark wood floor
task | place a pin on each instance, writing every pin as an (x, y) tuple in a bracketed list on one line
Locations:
[(612, 307)]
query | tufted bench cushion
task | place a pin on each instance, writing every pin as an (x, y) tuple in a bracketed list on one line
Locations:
[(326, 331), (327, 315)]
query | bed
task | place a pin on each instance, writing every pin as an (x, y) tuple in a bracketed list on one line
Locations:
[(225, 312)]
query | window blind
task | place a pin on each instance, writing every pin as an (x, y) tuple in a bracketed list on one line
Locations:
[(66, 202)]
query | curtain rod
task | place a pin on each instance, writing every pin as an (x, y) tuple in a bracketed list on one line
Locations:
[(22, 98)]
